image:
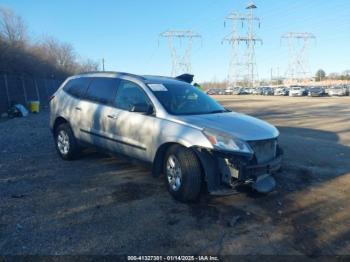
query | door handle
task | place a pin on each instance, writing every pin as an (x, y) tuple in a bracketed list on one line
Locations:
[(78, 108), (112, 116)]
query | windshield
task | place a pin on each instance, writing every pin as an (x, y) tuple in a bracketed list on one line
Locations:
[(185, 99)]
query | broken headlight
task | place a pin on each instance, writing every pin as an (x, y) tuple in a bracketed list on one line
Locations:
[(226, 142)]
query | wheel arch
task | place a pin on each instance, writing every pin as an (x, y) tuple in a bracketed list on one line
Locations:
[(158, 160), (58, 121)]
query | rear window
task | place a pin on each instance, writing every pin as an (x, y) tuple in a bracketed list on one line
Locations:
[(77, 87), (102, 90)]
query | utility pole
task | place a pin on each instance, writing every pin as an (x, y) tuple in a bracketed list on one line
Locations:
[(181, 61), (298, 44), (103, 64), (243, 65), (271, 74)]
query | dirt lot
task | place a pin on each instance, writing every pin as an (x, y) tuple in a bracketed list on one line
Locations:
[(108, 205)]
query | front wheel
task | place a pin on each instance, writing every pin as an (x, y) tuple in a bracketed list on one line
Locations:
[(183, 173), (66, 144)]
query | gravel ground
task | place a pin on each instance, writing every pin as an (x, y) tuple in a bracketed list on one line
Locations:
[(110, 205)]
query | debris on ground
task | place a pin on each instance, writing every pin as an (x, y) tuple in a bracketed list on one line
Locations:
[(234, 221), (17, 196), (17, 110)]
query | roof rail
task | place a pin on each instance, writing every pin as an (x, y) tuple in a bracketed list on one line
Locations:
[(113, 72)]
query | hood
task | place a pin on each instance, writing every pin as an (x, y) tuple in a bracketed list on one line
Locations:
[(241, 126)]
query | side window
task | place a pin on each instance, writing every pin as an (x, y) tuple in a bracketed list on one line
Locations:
[(77, 87), (130, 94), (102, 90)]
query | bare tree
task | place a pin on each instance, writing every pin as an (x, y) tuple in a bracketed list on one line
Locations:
[(12, 27), (88, 66), (62, 55), (46, 58)]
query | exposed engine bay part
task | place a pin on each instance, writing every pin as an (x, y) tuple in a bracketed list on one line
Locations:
[(264, 184), (225, 171)]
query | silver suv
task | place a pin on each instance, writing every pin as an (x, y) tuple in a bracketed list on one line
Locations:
[(187, 136)]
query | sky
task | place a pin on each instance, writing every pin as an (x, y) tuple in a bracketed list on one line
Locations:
[(126, 33)]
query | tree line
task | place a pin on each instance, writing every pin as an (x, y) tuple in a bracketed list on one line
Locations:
[(321, 75), (46, 58)]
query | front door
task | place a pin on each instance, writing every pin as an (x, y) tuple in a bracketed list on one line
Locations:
[(134, 130)]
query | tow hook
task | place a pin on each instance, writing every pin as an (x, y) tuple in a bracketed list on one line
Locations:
[(264, 184)]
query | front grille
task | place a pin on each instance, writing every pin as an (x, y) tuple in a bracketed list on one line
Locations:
[(265, 150)]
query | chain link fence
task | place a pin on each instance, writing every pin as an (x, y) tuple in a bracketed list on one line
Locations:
[(22, 89)]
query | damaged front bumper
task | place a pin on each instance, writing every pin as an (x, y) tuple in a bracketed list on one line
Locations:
[(224, 171)]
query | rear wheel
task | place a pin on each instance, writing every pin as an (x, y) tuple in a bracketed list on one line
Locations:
[(182, 173), (66, 144)]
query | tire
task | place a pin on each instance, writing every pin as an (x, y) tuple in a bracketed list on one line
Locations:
[(66, 144), (187, 186)]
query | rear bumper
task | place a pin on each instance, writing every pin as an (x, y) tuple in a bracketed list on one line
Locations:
[(225, 170)]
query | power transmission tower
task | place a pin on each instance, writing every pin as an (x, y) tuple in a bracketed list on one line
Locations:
[(251, 41), (243, 66), (181, 61), (236, 67), (298, 44)]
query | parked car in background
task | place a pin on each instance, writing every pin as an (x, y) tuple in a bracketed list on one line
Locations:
[(221, 91), (215, 91), (296, 91), (250, 90), (347, 87), (188, 138), (281, 91), (257, 91), (236, 91), (212, 92), (316, 91), (244, 91), (337, 91), (267, 91), (229, 91)]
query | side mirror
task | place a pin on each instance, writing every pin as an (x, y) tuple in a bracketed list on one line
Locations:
[(142, 108)]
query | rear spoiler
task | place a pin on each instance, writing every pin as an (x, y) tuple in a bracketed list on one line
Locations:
[(188, 78)]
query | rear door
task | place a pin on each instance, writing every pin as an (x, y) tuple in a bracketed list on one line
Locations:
[(100, 98), (74, 108)]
